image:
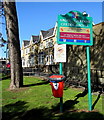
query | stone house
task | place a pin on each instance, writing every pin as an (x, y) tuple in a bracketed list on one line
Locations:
[(46, 49), (29, 51), (33, 56), (25, 49)]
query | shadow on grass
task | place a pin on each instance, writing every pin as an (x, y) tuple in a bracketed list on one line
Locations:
[(36, 84), (84, 93), (97, 99), (18, 111), (81, 116), (4, 78), (68, 105)]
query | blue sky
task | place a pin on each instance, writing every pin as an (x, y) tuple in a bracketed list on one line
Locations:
[(36, 16)]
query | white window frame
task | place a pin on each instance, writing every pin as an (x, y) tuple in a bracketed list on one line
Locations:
[(49, 59), (41, 46), (50, 43), (41, 59)]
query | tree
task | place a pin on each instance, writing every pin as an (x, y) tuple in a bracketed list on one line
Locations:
[(14, 43)]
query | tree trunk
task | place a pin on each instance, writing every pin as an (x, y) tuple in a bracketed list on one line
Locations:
[(14, 44)]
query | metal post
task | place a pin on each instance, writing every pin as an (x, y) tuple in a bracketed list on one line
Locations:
[(89, 80), (61, 104), (60, 68), (61, 98)]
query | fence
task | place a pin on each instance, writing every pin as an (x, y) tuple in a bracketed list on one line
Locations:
[(97, 77), (77, 76), (34, 72)]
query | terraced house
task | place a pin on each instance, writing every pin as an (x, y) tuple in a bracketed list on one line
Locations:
[(29, 52), (24, 53), (39, 50), (46, 48)]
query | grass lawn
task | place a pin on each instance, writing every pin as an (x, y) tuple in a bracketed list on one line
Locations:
[(34, 101)]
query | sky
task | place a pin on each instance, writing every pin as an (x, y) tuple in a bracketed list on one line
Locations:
[(36, 16)]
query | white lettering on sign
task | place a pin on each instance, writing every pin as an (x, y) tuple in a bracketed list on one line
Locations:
[(80, 21), (77, 25)]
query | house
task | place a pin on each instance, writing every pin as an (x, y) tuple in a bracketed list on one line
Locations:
[(25, 50), (46, 48), (29, 52), (39, 50), (33, 51)]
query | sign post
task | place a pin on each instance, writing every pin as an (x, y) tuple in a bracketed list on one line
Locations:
[(89, 79), (60, 68), (61, 98), (75, 28), (60, 56)]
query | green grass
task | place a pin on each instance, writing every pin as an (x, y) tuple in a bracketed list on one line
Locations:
[(35, 102)]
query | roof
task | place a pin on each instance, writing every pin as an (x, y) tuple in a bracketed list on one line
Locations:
[(26, 42), (98, 29), (35, 39), (101, 23), (44, 33), (47, 33)]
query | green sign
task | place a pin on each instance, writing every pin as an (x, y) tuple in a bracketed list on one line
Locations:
[(74, 28)]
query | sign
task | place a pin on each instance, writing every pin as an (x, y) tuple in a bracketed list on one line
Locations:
[(74, 28), (60, 53)]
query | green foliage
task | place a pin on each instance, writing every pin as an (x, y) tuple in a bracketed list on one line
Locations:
[(34, 101)]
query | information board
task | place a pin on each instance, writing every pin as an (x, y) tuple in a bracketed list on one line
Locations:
[(60, 53), (74, 28)]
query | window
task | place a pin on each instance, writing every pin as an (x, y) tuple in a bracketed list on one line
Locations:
[(32, 61), (50, 43), (41, 58), (23, 62), (28, 63), (21, 52), (47, 45), (27, 50), (33, 49), (41, 46), (49, 59)]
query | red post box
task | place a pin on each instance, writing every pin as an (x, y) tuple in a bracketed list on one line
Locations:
[(56, 82)]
